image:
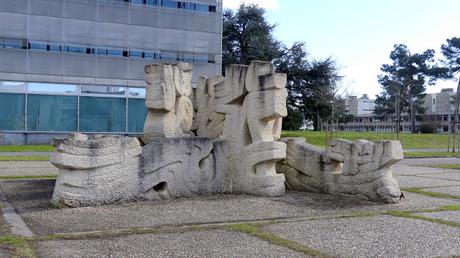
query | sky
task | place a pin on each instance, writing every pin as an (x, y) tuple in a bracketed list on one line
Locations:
[(360, 34)]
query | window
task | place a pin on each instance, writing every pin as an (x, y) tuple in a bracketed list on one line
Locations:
[(102, 114), (202, 59), (14, 43), (136, 92), (52, 88), (202, 8), (75, 49), (136, 53), (169, 4), (212, 8), (151, 2), (150, 55), (434, 101), (38, 46), (12, 115), (51, 113), (55, 48), (105, 90), (137, 112), (168, 56), (6, 86)]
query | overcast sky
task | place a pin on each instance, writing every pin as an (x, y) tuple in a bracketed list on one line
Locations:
[(360, 34)]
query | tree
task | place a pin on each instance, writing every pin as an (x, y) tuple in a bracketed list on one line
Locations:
[(312, 86), (404, 82), (248, 36), (451, 62)]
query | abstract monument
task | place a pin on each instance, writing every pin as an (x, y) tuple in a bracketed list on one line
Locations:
[(222, 137)]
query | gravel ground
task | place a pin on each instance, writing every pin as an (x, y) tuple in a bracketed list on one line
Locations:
[(382, 236), (444, 215), (215, 243)]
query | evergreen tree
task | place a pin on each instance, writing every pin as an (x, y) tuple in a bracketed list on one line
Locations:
[(404, 82)]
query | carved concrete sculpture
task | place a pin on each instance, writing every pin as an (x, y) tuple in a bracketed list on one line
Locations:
[(253, 99), (207, 122), (359, 168), (96, 170), (181, 167), (170, 109)]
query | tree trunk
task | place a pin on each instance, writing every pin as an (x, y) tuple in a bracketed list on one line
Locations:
[(454, 127), (412, 113)]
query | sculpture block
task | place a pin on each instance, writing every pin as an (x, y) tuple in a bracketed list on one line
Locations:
[(170, 110), (182, 167), (96, 170), (359, 168), (253, 100)]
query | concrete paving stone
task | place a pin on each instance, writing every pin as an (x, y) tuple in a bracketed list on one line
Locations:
[(215, 243), (27, 168), (447, 176), (29, 153), (31, 199), (381, 236), (429, 161), (452, 190), (417, 181), (417, 170)]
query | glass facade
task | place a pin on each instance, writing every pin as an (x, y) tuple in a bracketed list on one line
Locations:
[(51, 107)]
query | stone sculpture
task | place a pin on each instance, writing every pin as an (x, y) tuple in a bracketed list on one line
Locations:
[(96, 170), (181, 167), (360, 168), (253, 100), (237, 148), (207, 122), (170, 109)]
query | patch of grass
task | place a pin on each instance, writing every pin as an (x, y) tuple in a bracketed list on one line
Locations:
[(409, 215), (408, 141), (429, 154), (27, 177), (449, 208), (26, 148), (445, 166), (21, 246), (24, 158), (431, 194), (253, 230)]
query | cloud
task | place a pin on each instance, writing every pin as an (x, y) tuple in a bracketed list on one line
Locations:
[(267, 4)]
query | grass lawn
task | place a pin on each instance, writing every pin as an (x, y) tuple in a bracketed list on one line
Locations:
[(24, 158), (26, 148), (408, 141)]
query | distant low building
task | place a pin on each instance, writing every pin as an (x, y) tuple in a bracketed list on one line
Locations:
[(438, 113)]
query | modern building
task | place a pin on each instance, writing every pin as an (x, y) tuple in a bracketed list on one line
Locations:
[(438, 112), (78, 65), (360, 106)]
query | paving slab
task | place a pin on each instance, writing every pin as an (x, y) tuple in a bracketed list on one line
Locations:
[(418, 170), (444, 215), (447, 176), (452, 190), (381, 236), (418, 181), (31, 198), (214, 243), (26, 153), (429, 161), (27, 168)]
